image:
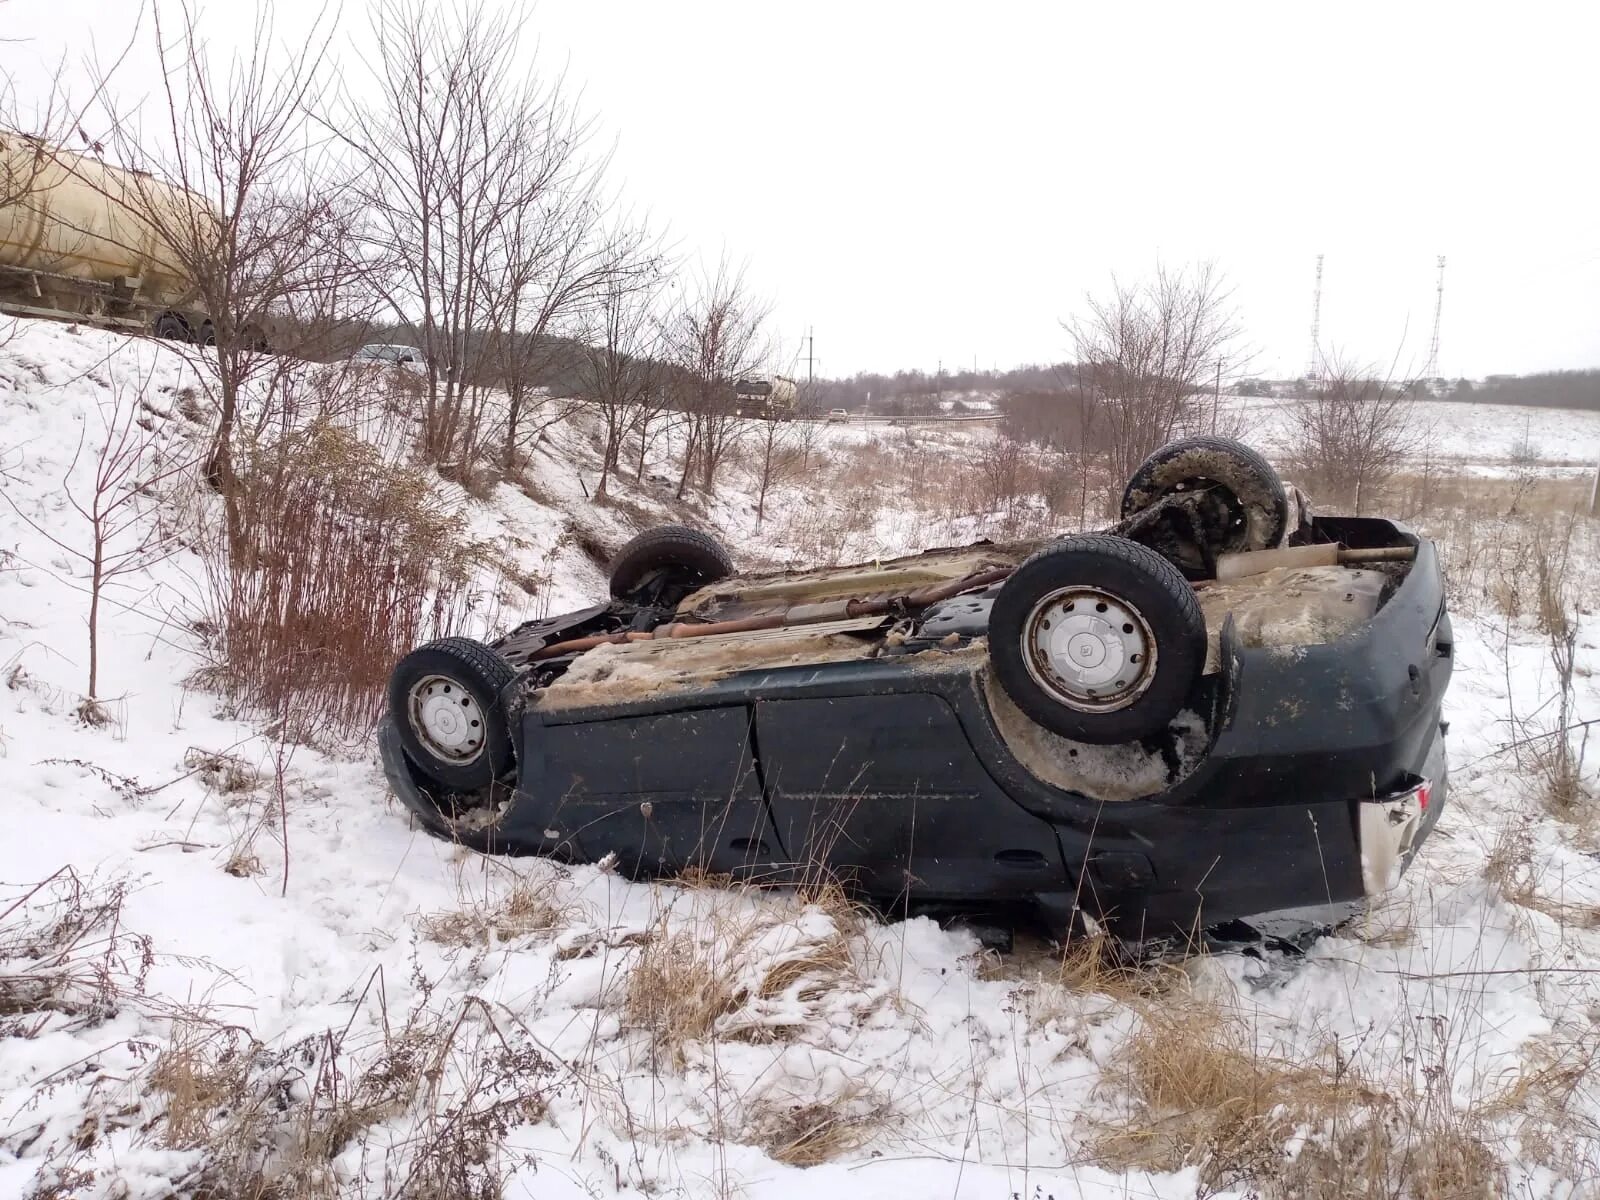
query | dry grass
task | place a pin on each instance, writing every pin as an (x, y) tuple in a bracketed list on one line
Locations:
[(740, 971), (270, 1123), (525, 909), (223, 773), (65, 955), (678, 989), (1204, 1097), (808, 1135)]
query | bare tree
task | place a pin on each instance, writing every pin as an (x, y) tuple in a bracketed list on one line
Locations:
[(1145, 355), (126, 462), (1352, 434), (236, 204), (485, 214), (619, 370), (715, 337), (784, 447)]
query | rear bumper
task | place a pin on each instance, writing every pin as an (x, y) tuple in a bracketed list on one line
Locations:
[(1391, 828)]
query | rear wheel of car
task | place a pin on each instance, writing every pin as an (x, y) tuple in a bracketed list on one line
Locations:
[(1097, 638), (668, 557), (1241, 504), (446, 702)]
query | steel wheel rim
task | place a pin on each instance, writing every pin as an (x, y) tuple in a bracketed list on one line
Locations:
[(446, 719), (1089, 649)]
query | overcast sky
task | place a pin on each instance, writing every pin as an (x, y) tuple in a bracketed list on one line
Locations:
[(924, 181)]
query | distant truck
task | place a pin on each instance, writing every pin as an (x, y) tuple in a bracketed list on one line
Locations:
[(771, 397), (81, 240)]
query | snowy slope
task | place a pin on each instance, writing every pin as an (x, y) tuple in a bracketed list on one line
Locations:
[(934, 1069)]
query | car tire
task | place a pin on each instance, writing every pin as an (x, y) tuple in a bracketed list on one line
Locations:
[(690, 558), (1098, 639), (446, 701), (1253, 508)]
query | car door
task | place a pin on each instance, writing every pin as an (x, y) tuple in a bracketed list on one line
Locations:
[(663, 792), (884, 793)]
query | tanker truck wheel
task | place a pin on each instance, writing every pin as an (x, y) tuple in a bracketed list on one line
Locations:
[(173, 327)]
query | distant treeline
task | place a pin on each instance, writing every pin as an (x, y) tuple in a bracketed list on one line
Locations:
[(907, 393), (1548, 389)]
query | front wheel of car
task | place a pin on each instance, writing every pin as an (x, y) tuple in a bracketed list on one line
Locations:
[(1098, 639), (446, 701)]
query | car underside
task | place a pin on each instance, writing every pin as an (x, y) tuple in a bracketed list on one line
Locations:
[(1200, 717)]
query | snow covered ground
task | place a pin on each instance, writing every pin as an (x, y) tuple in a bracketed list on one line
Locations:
[(292, 965), (1471, 438)]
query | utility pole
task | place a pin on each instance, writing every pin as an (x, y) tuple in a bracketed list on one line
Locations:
[(811, 347)]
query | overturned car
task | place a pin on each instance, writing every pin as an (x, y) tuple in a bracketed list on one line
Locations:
[(1225, 709)]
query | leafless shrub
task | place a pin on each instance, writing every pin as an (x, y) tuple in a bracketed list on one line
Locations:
[(1352, 435), (63, 951), (1558, 762), (1145, 355), (346, 561)]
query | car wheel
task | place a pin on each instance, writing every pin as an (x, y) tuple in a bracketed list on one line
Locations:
[(670, 557), (1097, 638), (1243, 504), (445, 700)]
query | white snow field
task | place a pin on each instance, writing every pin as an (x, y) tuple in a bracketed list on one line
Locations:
[(1482, 439), (218, 953)]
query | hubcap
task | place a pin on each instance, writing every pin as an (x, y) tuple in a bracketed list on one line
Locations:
[(446, 718), (1089, 649)]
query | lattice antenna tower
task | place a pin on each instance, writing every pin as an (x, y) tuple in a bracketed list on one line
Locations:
[(1313, 362), (1431, 371)]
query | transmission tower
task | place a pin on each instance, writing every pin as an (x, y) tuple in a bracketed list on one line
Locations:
[(1313, 363), (1431, 371)]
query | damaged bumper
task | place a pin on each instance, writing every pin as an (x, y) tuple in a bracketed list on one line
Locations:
[(1392, 827)]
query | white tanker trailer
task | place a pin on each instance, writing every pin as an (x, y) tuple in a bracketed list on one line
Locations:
[(81, 240)]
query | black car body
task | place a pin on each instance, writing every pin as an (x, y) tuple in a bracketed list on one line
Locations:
[(1301, 774)]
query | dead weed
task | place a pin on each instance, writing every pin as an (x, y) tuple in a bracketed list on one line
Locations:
[(1203, 1097)]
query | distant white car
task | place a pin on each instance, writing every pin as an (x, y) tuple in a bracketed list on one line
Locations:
[(407, 357), (837, 415)]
